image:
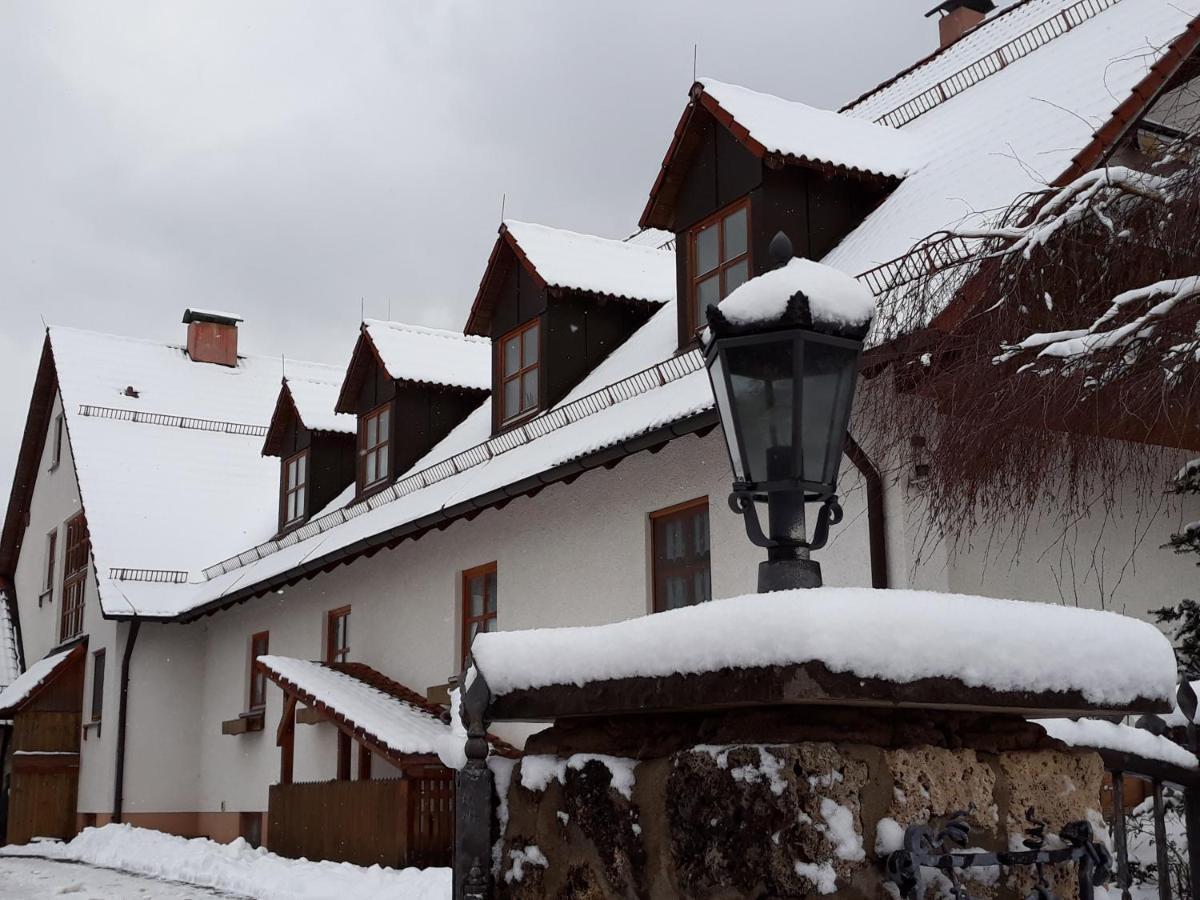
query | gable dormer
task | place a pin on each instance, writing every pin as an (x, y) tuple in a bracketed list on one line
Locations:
[(743, 166), (315, 447), (408, 387), (555, 303)]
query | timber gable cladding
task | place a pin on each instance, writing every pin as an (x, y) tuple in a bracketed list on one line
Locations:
[(576, 329), (419, 414), (710, 170), (328, 466)]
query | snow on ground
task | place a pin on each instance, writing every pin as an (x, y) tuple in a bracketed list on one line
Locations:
[(235, 868), (1006, 645), (41, 879)]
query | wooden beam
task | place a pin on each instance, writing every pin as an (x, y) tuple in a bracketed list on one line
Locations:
[(343, 756), (287, 722), (364, 762)]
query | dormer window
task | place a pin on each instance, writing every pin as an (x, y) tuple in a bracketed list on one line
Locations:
[(519, 360), (295, 483), (719, 250), (374, 442)]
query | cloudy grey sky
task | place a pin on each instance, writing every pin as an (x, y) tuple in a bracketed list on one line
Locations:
[(288, 160)]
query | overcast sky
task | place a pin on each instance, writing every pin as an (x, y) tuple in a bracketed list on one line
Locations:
[(290, 160)]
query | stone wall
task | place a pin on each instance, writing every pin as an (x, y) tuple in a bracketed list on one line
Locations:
[(795, 819)]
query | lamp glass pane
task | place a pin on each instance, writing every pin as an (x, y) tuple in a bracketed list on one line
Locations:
[(762, 382), (720, 386), (827, 379)]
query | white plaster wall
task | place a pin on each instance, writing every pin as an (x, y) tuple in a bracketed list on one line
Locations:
[(56, 499), (574, 554)]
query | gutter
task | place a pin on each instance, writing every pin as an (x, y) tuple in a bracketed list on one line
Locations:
[(9, 587), (122, 718), (876, 533)]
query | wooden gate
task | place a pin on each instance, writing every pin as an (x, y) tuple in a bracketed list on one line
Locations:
[(388, 822), (42, 796)]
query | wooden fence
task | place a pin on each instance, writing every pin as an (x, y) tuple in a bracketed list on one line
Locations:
[(390, 822)]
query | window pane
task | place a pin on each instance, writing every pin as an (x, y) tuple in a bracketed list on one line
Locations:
[(735, 234), (369, 469), (476, 588), (708, 293), (736, 275), (529, 390), (701, 587), (512, 395), (383, 424), (530, 342), (700, 534), (300, 467), (706, 250), (676, 592), (491, 592), (298, 497), (372, 431), (381, 464), (512, 355)]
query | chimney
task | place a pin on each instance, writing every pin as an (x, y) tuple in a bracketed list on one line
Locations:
[(212, 336), (959, 17)]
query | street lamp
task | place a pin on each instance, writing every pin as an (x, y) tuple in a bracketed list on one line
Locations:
[(782, 353)]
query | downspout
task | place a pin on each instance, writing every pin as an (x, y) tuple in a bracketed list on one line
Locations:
[(122, 710), (876, 535)]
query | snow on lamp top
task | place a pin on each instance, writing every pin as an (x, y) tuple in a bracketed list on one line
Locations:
[(797, 293)]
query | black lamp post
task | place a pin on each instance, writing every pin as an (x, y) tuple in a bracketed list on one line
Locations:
[(784, 386)]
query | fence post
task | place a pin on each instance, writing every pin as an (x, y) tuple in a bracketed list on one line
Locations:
[(1191, 808), (473, 796), (1160, 843), (404, 806), (1120, 836)]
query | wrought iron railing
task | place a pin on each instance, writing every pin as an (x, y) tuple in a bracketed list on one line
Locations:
[(157, 576)]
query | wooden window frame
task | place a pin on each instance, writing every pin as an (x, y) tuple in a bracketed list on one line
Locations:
[(332, 652), (467, 619), (74, 584), (286, 492), (98, 672), (258, 678), (50, 568), (56, 444), (694, 278), (519, 375), (658, 603), (364, 451)]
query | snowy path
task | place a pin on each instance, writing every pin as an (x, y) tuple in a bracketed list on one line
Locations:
[(37, 879)]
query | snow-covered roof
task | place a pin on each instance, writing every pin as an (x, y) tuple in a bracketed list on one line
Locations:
[(173, 477), (393, 723), (31, 679), (1019, 126), (10, 665), (584, 262), (1104, 735), (431, 355), (897, 635), (315, 401), (797, 130)]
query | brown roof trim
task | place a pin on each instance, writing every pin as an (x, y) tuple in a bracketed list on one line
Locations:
[(932, 56), (346, 396), (480, 319), (33, 441), (285, 404), (653, 216), (1140, 99), (77, 649)]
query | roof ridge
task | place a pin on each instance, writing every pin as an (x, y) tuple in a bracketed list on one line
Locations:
[(169, 345), (446, 333), (925, 60), (620, 242)]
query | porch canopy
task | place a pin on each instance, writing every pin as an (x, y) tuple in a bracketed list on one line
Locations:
[(833, 647), (383, 715), (34, 679)]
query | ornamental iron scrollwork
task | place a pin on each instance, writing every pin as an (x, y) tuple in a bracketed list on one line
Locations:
[(926, 848)]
